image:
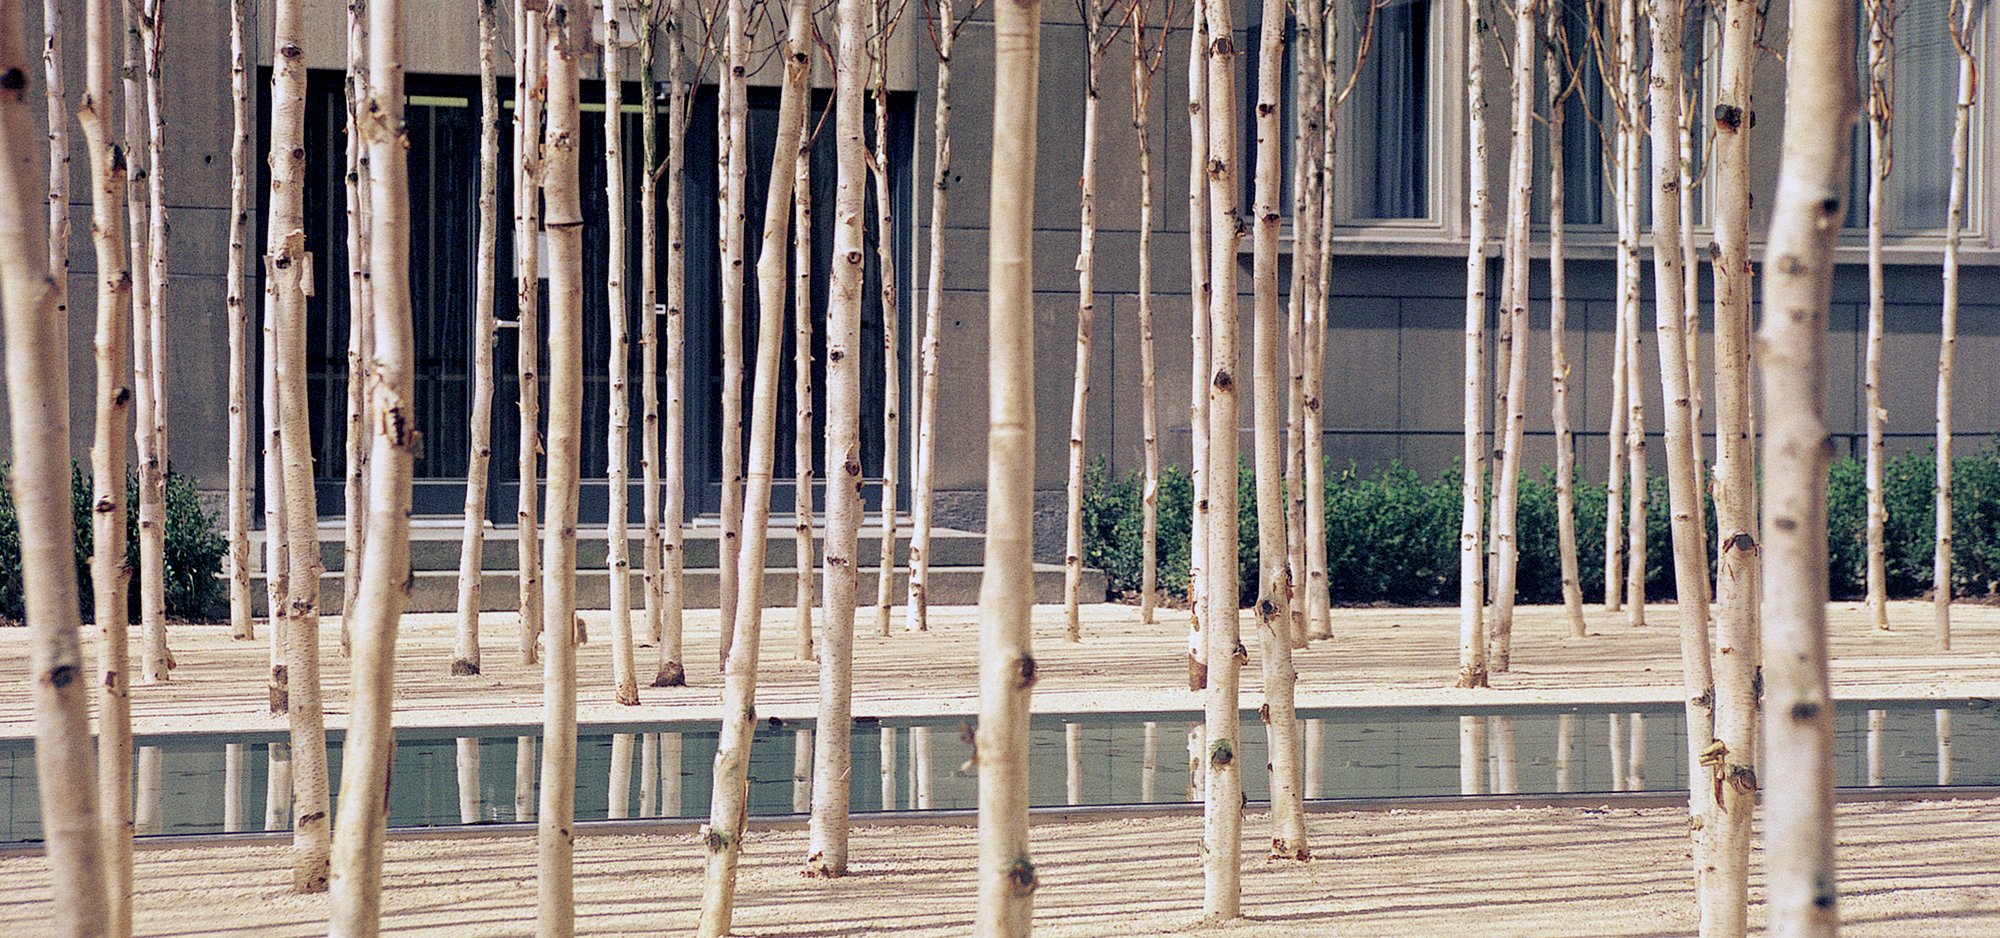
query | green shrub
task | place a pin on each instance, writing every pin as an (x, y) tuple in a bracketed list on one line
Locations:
[(1392, 534), (194, 549)]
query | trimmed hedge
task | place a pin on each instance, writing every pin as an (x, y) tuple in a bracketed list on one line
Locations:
[(1392, 534), (194, 548)]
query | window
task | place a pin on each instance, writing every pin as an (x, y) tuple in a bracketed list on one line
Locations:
[(1924, 90), (1387, 122)]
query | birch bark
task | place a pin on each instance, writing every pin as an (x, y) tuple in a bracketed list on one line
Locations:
[(1963, 16), (1086, 315), (618, 550), (1471, 571), (472, 546), (945, 28)]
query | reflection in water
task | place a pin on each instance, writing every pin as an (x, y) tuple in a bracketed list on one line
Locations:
[(232, 788), (443, 779), (471, 799), (1565, 751), (802, 771), (1197, 743)]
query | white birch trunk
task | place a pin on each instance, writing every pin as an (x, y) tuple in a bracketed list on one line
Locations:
[(1222, 812), (729, 809), (241, 622), (360, 330), (1471, 569), (826, 848), (109, 573), (1306, 314), (1964, 14), (1144, 63), (1514, 305), (369, 749), (618, 551), (803, 544), (1274, 618), (472, 546), (1199, 295), (892, 364), (733, 114), (1086, 315), (288, 277), (568, 36), (1636, 499), (1801, 892), (1880, 105), (38, 412), (673, 467), (153, 472), (155, 661), (944, 20), (1006, 874), (1559, 409), (649, 335), (528, 98)]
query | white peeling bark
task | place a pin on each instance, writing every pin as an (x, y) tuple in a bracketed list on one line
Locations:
[(944, 26), (1962, 20), (360, 330), (885, 266), (1086, 315), (1199, 295), (804, 548), (673, 467), (472, 545), (618, 550), (528, 97), (1514, 306), (1471, 569), (733, 166), (1559, 411), (1880, 104)]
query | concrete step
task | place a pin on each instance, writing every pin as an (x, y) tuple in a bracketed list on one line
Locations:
[(437, 590), (436, 546)]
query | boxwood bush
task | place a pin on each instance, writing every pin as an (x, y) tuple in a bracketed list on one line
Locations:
[(1392, 533), (194, 548)]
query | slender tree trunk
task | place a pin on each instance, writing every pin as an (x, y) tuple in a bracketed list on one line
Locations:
[(277, 555), (568, 35), (1200, 293), (385, 585), (472, 548), (1691, 289), (110, 573), (1962, 20), (528, 97), (1725, 892), (1222, 812), (945, 28), (803, 549), (37, 335), (1801, 892), (1614, 442), (1309, 613), (729, 810), (1274, 619), (1636, 498), (1086, 314), (155, 660), (1471, 572), (1143, 65), (892, 362), (1880, 106), (618, 551), (673, 470), (649, 332), (1690, 549), (1007, 877), (826, 849), (1520, 190), (360, 328), (733, 169), (1559, 412), (288, 270), (158, 659), (241, 622)]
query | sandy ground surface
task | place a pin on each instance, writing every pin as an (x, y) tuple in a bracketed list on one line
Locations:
[(1906, 869), (1386, 656)]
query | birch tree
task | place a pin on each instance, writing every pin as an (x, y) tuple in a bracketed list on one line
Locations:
[(393, 440), (38, 412), (732, 131), (110, 574), (1561, 82), (1725, 895), (1963, 15), (944, 26), (1820, 109), (672, 670), (360, 327), (802, 413), (649, 332), (1146, 61), (1880, 16), (618, 551), (1683, 476), (826, 847), (1222, 811), (1086, 314), (1636, 499), (892, 366), (567, 31), (1200, 295), (1471, 572), (1274, 618), (729, 810), (287, 276), (1007, 877), (242, 624), (1514, 306), (1302, 312), (528, 97), (155, 659), (472, 546)]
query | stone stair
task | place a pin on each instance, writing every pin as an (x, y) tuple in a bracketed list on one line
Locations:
[(435, 546)]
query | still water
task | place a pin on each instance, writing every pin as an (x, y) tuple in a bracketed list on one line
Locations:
[(214, 784)]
